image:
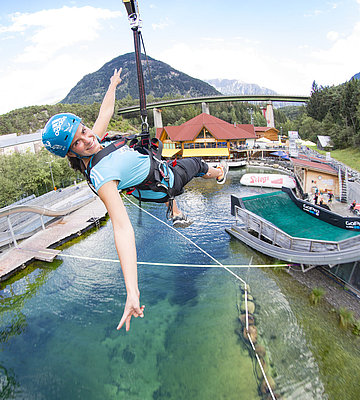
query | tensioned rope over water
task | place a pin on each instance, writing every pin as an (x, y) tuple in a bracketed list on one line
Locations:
[(157, 264)]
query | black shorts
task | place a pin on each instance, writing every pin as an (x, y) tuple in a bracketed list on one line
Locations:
[(185, 170)]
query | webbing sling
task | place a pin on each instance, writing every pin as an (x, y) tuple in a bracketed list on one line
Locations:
[(155, 176)]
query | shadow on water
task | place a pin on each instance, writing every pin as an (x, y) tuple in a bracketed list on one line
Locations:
[(58, 325)]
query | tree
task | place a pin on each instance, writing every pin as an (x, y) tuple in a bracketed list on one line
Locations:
[(24, 174), (350, 100)]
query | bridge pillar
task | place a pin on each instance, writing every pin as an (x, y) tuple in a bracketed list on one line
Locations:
[(269, 115), (205, 108), (157, 118)]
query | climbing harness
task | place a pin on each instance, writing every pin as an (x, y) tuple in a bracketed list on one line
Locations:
[(158, 172)]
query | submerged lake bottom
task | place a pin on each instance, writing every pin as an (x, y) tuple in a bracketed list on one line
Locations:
[(58, 321)]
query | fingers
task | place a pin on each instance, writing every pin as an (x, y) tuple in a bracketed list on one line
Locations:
[(126, 318), (121, 323), (117, 72), (139, 312)]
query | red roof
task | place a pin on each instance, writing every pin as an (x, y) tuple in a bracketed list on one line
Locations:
[(217, 127), (311, 158), (314, 165)]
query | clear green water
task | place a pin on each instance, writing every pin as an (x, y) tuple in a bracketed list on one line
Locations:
[(58, 322), (278, 208)]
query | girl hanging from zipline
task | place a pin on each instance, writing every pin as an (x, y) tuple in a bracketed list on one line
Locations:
[(111, 167)]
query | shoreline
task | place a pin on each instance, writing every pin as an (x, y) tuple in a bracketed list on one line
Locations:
[(335, 295)]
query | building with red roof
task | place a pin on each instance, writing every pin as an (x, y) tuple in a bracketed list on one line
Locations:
[(205, 136)]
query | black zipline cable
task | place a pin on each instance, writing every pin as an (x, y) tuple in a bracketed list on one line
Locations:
[(147, 64), (142, 95), (135, 23)]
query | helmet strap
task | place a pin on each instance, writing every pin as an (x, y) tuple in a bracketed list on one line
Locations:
[(78, 155), (82, 157)]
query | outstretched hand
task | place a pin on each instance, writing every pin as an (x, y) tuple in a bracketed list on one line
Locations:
[(132, 309), (115, 79)]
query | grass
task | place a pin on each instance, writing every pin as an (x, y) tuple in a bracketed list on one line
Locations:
[(350, 157)]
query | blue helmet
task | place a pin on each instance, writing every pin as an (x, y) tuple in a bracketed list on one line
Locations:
[(59, 133)]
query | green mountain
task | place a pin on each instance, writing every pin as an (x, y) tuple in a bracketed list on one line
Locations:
[(162, 80)]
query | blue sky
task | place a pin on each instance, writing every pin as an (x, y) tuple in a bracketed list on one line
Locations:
[(46, 47)]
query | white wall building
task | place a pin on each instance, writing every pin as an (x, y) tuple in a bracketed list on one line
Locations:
[(13, 143)]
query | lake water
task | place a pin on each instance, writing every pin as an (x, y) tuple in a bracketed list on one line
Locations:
[(58, 321)]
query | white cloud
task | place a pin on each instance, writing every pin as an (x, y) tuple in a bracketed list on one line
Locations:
[(253, 63), (341, 61), (314, 13), (57, 29), (161, 25), (332, 36), (233, 60), (44, 84), (40, 71)]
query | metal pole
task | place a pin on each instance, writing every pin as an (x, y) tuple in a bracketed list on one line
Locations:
[(251, 112), (12, 231), (52, 177), (42, 222)]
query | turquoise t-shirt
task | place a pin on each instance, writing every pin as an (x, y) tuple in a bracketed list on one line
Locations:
[(129, 168)]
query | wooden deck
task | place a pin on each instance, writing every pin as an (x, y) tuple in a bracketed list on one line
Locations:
[(38, 246)]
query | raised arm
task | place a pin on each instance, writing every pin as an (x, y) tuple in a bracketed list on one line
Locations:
[(107, 106), (126, 249)]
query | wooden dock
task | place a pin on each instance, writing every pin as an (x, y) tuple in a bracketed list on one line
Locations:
[(38, 246)]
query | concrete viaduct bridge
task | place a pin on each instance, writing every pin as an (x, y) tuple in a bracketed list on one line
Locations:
[(268, 99)]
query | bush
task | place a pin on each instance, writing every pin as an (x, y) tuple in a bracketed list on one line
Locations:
[(316, 295), (346, 317), (356, 328)]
